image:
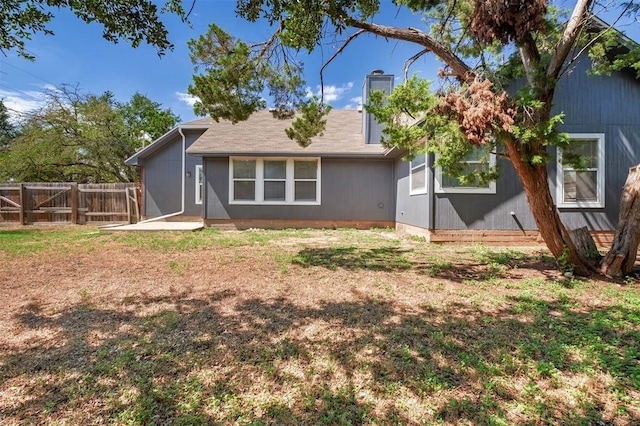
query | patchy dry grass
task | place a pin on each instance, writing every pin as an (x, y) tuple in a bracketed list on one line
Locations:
[(306, 327)]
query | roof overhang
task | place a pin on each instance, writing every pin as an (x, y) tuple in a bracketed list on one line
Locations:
[(154, 146), (290, 154)]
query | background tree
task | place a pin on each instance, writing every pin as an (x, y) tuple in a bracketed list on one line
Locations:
[(7, 129), (472, 38), (144, 117), (83, 138)]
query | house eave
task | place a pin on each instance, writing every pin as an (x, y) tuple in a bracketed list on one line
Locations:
[(378, 155), (134, 160)]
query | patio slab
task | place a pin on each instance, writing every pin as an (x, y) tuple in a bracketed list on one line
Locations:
[(156, 226)]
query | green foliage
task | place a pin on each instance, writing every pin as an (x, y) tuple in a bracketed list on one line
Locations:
[(530, 131), (134, 21), (304, 22), (144, 117), (309, 123), (83, 138), (409, 103), (232, 83), (235, 75), (7, 129), (610, 51), (413, 123)]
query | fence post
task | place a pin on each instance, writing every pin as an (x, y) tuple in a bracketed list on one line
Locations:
[(23, 204), (74, 203)]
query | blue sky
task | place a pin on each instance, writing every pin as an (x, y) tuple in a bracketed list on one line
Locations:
[(78, 55)]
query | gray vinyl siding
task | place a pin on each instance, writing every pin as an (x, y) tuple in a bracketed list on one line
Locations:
[(487, 211), (162, 174), (608, 105), (592, 104), (410, 209), (351, 189)]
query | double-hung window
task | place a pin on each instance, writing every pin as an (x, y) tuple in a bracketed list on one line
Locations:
[(474, 161), (274, 180), (243, 173), (199, 183), (580, 177), (418, 175)]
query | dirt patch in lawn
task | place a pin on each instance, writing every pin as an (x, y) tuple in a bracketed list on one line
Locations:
[(307, 327)]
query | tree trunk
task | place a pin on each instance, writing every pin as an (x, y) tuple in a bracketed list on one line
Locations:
[(535, 181), (620, 259), (585, 245)]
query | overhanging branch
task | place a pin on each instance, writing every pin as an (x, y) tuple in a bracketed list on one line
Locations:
[(460, 69), (335, 55), (412, 59), (568, 38)]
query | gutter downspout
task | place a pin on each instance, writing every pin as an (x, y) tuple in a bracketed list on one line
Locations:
[(431, 219), (184, 171)]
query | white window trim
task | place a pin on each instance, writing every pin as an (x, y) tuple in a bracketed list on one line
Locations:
[(199, 184), (600, 179), (412, 167), (289, 183), (491, 189)]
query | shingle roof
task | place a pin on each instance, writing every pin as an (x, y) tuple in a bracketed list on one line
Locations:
[(262, 134), (206, 121)]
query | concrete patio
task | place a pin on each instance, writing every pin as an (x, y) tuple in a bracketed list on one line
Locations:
[(155, 226)]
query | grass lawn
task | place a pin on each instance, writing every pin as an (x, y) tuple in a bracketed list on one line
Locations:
[(306, 327)]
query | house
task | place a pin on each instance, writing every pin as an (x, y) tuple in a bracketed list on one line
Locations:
[(251, 175)]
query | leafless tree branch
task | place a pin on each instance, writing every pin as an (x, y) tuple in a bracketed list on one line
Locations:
[(335, 55), (411, 61)]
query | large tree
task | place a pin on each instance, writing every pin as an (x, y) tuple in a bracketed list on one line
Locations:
[(83, 138), (472, 107)]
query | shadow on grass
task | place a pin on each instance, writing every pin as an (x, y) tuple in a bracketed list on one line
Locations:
[(376, 259), (194, 361), (486, 265)]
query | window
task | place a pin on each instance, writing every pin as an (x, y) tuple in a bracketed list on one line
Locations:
[(199, 184), (581, 184), (473, 162), (306, 181), (244, 180), (418, 175), (274, 181)]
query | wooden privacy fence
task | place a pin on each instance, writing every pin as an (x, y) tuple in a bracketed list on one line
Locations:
[(68, 203)]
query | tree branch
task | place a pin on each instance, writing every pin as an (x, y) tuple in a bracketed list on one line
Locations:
[(530, 56), (336, 53), (593, 40), (412, 59), (460, 69), (266, 45), (568, 38)]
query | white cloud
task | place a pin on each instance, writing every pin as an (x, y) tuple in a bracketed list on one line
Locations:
[(187, 98), (354, 103), (20, 103), (331, 93)]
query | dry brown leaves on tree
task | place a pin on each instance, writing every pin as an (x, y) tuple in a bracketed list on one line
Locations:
[(479, 111), (507, 20)]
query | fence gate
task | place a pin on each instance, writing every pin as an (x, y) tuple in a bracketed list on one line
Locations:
[(68, 203)]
